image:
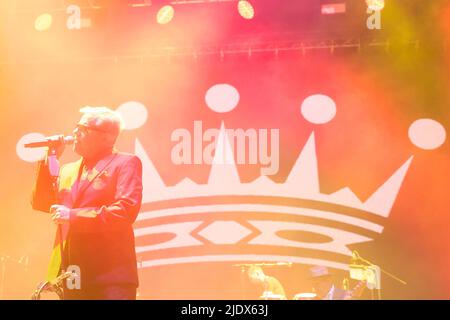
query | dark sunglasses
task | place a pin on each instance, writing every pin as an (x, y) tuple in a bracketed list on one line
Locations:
[(83, 128)]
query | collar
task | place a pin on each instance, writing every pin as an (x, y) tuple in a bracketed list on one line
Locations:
[(91, 162)]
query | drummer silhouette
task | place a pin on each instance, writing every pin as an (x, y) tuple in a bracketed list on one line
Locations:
[(272, 288)]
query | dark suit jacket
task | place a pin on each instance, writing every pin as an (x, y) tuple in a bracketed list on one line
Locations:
[(99, 238)]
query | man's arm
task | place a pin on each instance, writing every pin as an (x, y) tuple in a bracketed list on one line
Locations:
[(43, 195), (123, 211)]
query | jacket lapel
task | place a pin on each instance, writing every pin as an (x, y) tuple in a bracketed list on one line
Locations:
[(76, 184), (98, 169)]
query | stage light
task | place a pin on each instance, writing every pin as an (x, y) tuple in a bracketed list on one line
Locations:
[(375, 5), (165, 14), (43, 22), (246, 10), (333, 8)]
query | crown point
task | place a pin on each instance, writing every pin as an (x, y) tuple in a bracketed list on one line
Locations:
[(186, 183), (346, 197), (304, 175), (223, 170), (263, 181), (152, 183), (383, 199)]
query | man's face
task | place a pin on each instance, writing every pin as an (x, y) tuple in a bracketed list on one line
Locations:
[(89, 140)]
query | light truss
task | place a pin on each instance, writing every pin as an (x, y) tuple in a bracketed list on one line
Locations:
[(276, 49)]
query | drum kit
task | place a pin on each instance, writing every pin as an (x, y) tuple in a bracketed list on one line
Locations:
[(268, 295), (365, 272), (52, 290)]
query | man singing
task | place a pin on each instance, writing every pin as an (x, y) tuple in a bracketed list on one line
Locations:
[(97, 200)]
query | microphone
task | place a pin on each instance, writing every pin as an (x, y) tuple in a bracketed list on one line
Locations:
[(51, 141)]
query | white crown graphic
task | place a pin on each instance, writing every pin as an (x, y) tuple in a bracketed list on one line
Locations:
[(226, 220), (299, 196)]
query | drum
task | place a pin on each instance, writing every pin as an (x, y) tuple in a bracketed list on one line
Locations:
[(305, 296)]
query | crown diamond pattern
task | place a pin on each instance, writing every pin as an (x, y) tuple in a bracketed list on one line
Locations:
[(224, 232)]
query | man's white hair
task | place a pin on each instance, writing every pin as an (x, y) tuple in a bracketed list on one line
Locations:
[(103, 118)]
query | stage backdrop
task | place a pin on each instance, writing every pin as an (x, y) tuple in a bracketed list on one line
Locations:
[(287, 157)]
